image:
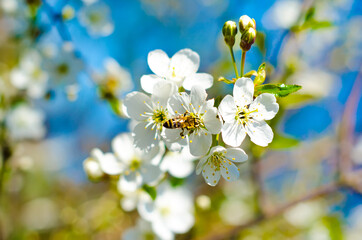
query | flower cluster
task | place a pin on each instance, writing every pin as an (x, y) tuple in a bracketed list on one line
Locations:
[(173, 124)]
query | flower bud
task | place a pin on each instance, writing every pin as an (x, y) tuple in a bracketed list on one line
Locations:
[(247, 39), (229, 30), (245, 22), (92, 169)]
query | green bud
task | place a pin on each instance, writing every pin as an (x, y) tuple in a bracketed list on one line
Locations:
[(247, 39), (229, 30), (245, 22)]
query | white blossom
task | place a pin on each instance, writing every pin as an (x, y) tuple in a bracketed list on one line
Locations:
[(181, 70), (24, 122), (170, 213), (29, 75), (63, 66), (150, 113), (116, 79), (135, 166), (243, 115), (202, 116), (219, 162), (96, 18)]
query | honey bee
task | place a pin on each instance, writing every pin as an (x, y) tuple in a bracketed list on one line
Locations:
[(185, 122)]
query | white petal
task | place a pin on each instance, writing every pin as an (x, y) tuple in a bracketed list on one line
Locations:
[(179, 103), (159, 62), (203, 80), (110, 164), (243, 91), (212, 123), (129, 183), (122, 146), (171, 135), (198, 97), (229, 171), (260, 132), (181, 222), (160, 228), (236, 155), (19, 79), (149, 81), (200, 143), (129, 203), (144, 138), (150, 173), (177, 165), (162, 90), (210, 175), (135, 104), (185, 62), (233, 134), (227, 109), (266, 106), (200, 164)]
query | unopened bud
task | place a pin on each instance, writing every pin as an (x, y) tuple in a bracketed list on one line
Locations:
[(247, 39), (229, 30), (245, 22)]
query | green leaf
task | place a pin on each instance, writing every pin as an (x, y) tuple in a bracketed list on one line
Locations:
[(175, 182), (279, 90), (261, 75), (309, 14), (296, 100), (150, 190), (283, 142)]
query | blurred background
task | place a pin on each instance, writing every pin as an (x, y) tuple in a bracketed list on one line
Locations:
[(309, 179)]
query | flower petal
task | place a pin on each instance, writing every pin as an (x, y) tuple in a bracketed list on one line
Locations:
[(150, 173), (181, 222), (176, 164), (122, 146), (149, 81), (135, 105), (179, 103), (212, 123), (129, 183), (233, 134), (159, 62), (211, 176), (260, 132), (198, 97), (144, 138), (162, 90), (161, 229), (200, 164), (203, 80), (110, 164), (236, 155), (200, 143), (243, 91), (227, 109), (185, 62), (267, 107), (229, 171)]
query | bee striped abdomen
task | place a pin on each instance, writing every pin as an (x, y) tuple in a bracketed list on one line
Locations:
[(172, 123)]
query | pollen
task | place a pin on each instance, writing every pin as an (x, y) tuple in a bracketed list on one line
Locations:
[(227, 172), (214, 181), (228, 178), (205, 134), (233, 159), (213, 174), (190, 141)]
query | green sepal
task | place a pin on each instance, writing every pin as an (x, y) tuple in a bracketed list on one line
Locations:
[(225, 80), (150, 190), (279, 90), (261, 75), (250, 74)]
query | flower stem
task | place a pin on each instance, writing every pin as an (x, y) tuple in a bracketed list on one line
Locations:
[(233, 60), (242, 62)]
